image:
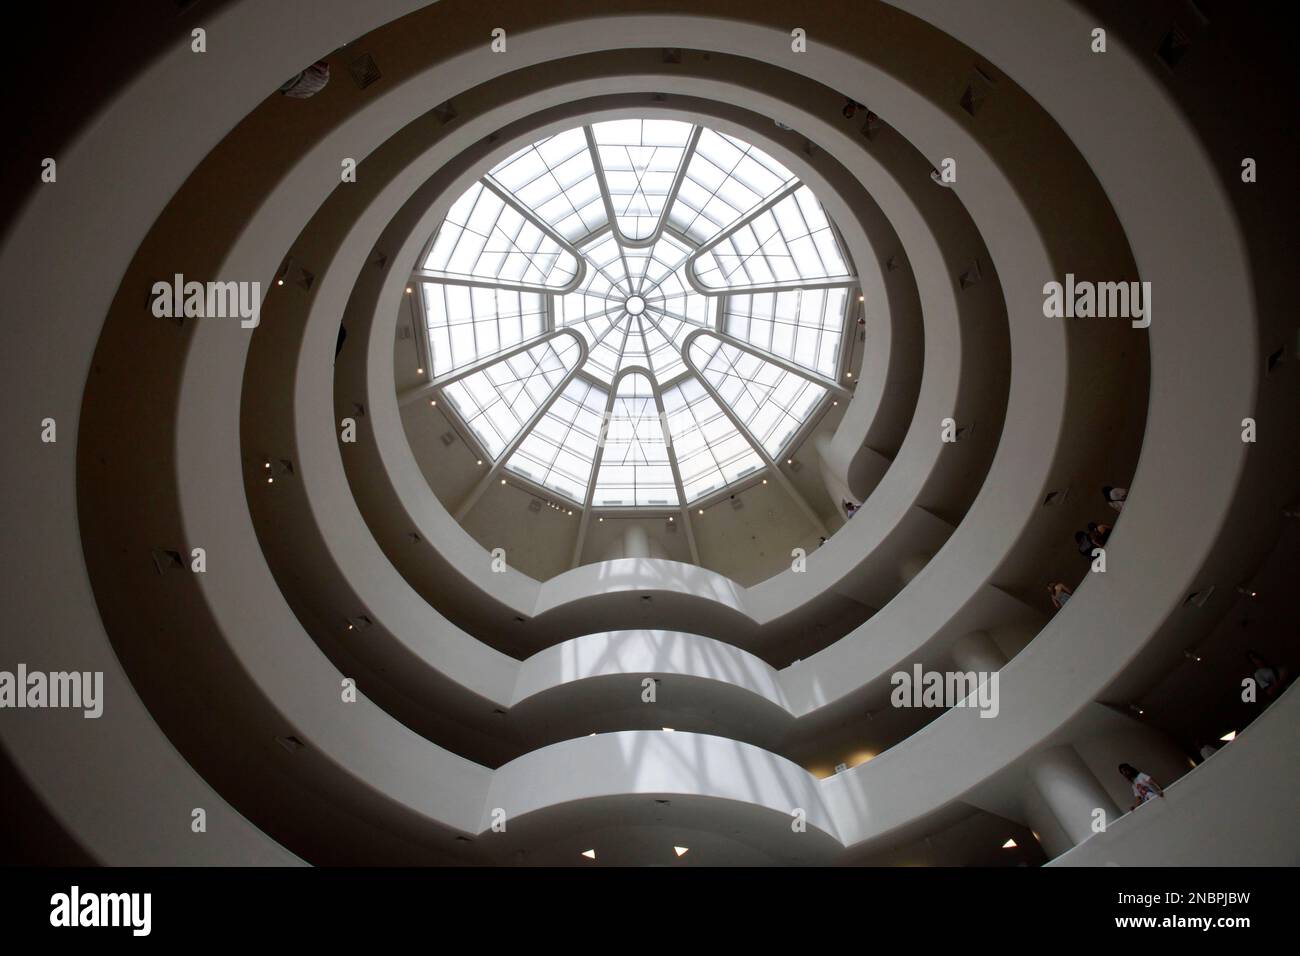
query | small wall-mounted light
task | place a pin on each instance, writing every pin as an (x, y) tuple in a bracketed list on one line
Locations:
[(503, 481), (408, 290), (419, 371), (701, 511), (479, 462)]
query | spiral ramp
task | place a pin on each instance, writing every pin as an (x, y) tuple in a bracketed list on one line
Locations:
[(589, 693)]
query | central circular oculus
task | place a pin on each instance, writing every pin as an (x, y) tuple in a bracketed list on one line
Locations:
[(635, 305)]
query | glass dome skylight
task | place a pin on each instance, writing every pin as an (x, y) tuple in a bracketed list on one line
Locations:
[(635, 313)]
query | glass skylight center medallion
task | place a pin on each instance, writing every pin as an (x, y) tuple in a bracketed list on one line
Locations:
[(636, 313)]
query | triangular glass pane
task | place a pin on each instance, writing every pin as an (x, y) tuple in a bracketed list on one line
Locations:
[(634, 466), (725, 180), (560, 451), (497, 401), (710, 452), (486, 239), (640, 160), (790, 244), (556, 179), (771, 402)]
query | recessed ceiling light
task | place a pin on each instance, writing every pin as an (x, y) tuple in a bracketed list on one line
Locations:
[(408, 290), (681, 850), (433, 401), (1009, 845), (589, 854), (1229, 737), (266, 465), (701, 511), (861, 298), (279, 282), (503, 481), (270, 481), (667, 730), (419, 371), (764, 481), (479, 462), (849, 374)]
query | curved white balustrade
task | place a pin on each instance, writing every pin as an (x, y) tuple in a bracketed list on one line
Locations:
[(1184, 238)]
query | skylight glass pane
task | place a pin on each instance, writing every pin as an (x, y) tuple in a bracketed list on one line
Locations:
[(663, 354), (789, 244), (640, 159), (499, 258), (710, 452), (769, 401), (634, 466), (496, 402), (725, 180), (485, 238), (556, 179), (801, 325), (560, 451), (648, 268), (468, 323), (676, 297), (606, 354)]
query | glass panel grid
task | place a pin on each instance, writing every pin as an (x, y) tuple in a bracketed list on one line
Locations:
[(488, 244), (496, 402), (789, 243), (469, 323), (771, 402), (634, 466), (801, 325), (640, 159), (485, 238), (560, 451)]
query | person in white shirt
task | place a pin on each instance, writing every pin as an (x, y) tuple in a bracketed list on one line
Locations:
[(1267, 677), (1144, 788), (1115, 497)]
